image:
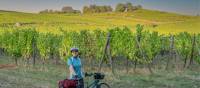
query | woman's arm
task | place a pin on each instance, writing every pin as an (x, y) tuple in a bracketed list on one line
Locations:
[(71, 69)]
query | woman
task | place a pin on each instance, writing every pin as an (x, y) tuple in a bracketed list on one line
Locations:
[(75, 67)]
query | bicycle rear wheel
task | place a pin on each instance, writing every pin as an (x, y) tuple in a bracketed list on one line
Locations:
[(103, 85)]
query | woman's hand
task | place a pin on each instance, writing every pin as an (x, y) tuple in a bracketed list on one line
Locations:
[(72, 70)]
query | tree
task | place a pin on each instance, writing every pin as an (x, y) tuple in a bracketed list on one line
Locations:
[(92, 8), (76, 11), (103, 8), (56, 11), (51, 11), (139, 7), (44, 11), (129, 7), (109, 9), (67, 9), (120, 7), (96, 9), (86, 9)]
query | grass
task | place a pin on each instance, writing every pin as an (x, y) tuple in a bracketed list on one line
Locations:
[(47, 77), (166, 22)]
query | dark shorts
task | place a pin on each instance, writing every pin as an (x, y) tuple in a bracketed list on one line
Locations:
[(80, 83)]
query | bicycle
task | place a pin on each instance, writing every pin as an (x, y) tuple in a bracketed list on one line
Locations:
[(97, 81)]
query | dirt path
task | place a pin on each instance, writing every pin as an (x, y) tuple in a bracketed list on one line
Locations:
[(7, 66), (156, 22)]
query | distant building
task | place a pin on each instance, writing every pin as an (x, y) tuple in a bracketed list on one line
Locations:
[(17, 24)]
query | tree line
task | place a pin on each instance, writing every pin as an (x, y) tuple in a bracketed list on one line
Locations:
[(65, 9), (120, 7)]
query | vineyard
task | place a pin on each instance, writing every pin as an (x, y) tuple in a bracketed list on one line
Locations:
[(140, 49), (181, 50)]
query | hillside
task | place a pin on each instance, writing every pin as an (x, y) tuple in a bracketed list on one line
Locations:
[(153, 20)]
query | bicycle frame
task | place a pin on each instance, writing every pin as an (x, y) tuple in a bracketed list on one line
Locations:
[(93, 84)]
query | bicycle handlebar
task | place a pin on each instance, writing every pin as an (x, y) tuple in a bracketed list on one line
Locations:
[(89, 74), (95, 75)]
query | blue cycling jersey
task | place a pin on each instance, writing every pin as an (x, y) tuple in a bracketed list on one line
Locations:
[(76, 63)]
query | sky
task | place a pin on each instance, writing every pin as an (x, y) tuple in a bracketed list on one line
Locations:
[(187, 7)]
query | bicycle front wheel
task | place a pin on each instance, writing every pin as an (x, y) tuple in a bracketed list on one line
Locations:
[(103, 85)]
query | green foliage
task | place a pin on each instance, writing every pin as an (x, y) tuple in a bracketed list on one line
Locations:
[(120, 7), (184, 44), (151, 45), (97, 9), (100, 39), (142, 45), (128, 7), (122, 42), (198, 49)]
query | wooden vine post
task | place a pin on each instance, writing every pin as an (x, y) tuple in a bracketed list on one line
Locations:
[(107, 53)]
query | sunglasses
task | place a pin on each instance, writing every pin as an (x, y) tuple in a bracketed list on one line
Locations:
[(74, 51)]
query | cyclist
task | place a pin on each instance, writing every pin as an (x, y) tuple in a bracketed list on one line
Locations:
[(75, 67)]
